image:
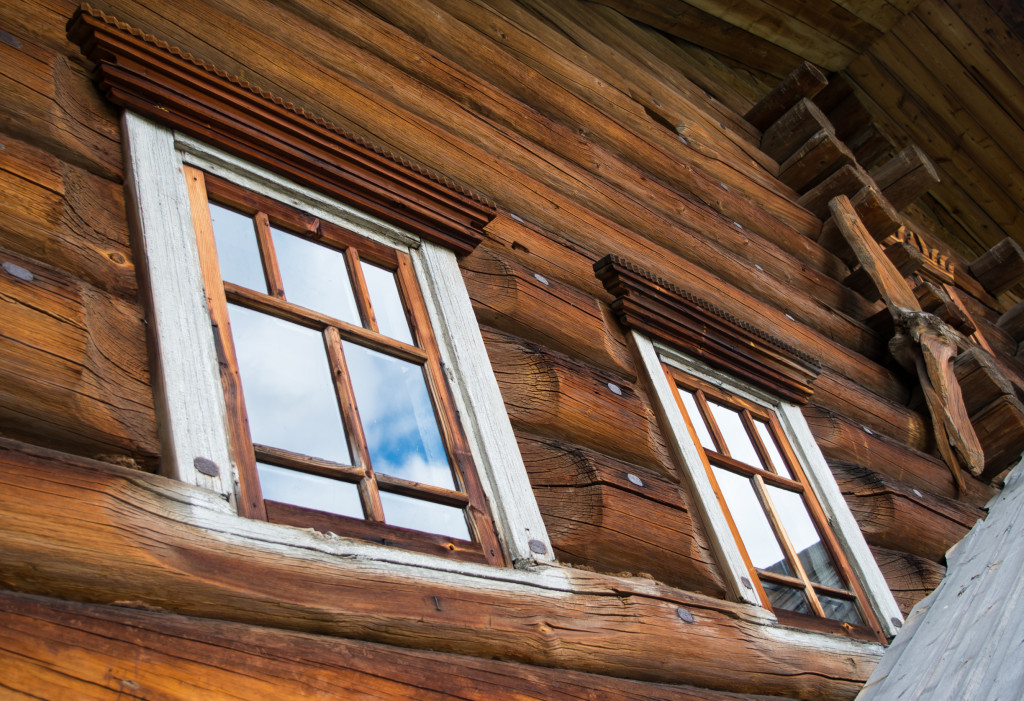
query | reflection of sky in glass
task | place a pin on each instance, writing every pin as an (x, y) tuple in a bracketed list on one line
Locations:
[(751, 522), (289, 394), (398, 419), (840, 609), (735, 435), (787, 598), (424, 516), (237, 251), (804, 537), (387, 303), (772, 448), (315, 276), (309, 491), (703, 435)]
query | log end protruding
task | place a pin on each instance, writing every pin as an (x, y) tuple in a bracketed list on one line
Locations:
[(806, 80), (999, 268), (906, 176)]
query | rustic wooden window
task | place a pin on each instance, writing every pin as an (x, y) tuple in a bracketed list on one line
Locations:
[(340, 417), (793, 559)]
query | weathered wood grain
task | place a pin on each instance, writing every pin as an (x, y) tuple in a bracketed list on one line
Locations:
[(894, 516), (512, 298), (54, 648), (1000, 268), (73, 368), (910, 578), (92, 532), (793, 129), (617, 517), (549, 394), (842, 440), (906, 176), (1000, 429), (66, 217), (805, 81), (1012, 322)]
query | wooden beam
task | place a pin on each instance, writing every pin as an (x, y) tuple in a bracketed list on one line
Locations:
[(906, 176), (806, 80), (790, 131), (87, 531), (1000, 268), (51, 648), (910, 578), (1012, 322), (821, 156), (848, 180), (616, 517)]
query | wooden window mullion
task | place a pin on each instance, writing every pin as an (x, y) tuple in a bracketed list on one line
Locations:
[(362, 292), (368, 490), (271, 271)]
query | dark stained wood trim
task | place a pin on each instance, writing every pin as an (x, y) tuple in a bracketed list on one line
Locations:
[(139, 72), (658, 308)]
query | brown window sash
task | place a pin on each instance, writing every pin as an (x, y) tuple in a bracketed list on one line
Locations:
[(761, 477), (467, 494)]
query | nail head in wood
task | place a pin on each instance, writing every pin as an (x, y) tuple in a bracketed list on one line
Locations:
[(684, 615), (538, 547), (206, 466)]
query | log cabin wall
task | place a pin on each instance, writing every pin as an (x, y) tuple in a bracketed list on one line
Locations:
[(593, 134)]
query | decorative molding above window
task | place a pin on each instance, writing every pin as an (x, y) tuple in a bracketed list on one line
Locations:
[(144, 74), (647, 303)]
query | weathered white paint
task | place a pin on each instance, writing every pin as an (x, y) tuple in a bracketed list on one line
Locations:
[(844, 526), (480, 405), (477, 398), (187, 389), (965, 639), (687, 455)]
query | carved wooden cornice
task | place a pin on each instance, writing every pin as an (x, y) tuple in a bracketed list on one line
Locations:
[(662, 310), (141, 73)]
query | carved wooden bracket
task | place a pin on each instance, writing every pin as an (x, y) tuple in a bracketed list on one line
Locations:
[(141, 73), (658, 308)]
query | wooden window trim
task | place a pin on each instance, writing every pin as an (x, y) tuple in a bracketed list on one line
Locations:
[(484, 547), (141, 73), (805, 462)]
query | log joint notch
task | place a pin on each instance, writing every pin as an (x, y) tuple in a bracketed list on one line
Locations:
[(141, 73), (649, 304)]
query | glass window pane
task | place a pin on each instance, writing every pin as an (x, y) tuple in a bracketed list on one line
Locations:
[(840, 609), (237, 251), (387, 303), (703, 435), (286, 380), (315, 276), (752, 523), (309, 491), (787, 598), (735, 435), (426, 516), (804, 536), (401, 429), (773, 450)]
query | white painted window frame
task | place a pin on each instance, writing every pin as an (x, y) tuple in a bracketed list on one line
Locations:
[(820, 477), (187, 388)]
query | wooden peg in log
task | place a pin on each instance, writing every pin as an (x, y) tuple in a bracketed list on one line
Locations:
[(999, 268), (806, 80), (922, 344), (905, 177)]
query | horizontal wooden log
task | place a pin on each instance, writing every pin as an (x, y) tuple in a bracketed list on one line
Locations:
[(802, 121), (892, 515), (910, 578), (842, 440), (52, 648), (513, 298), (50, 102), (1001, 267), (818, 158), (981, 380), (806, 80), (1000, 429), (871, 145), (66, 217), (92, 532), (549, 394), (73, 365), (848, 180), (906, 176), (616, 517), (1012, 322)]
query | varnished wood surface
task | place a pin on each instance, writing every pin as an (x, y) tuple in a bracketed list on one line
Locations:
[(156, 534)]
